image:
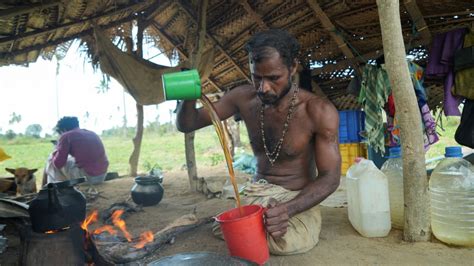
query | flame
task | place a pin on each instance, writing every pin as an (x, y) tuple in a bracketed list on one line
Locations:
[(145, 238), (117, 221), (89, 219), (56, 231), (105, 228)]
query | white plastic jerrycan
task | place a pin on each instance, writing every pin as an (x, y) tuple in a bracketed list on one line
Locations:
[(368, 199)]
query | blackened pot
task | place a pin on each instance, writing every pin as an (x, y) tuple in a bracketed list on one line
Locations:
[(147, 190)]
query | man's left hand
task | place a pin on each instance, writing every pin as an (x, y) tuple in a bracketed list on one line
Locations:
[(276, 218)]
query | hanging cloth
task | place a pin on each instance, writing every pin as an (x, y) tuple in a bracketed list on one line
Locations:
[(441, 62), (141, 78), (374, 91), (464, 82)]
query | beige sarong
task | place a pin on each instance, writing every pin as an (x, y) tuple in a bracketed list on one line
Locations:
[(303, 229)]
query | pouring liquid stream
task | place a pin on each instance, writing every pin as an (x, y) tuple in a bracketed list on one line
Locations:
[(223, 139)]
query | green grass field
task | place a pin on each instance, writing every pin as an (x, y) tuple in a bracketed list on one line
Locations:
[(163, 150)]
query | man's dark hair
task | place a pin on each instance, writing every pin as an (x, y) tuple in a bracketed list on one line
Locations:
[(66, 123), (286, 45)]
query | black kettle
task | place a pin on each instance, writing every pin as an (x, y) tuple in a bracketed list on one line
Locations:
[(57, 206)]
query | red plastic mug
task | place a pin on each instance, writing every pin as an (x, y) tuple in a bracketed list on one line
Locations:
[(245, 234)]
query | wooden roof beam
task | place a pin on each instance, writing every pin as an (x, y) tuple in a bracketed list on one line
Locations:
[(71, 24), (219, 46), (167, 38), (341, 64), (6, 55), (329, 26), (20, 10), (254, 14), (418, 20)]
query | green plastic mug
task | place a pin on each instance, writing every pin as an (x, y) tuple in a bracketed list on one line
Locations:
[(184, 85)]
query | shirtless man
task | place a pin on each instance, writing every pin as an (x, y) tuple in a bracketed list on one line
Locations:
[(294, 136)]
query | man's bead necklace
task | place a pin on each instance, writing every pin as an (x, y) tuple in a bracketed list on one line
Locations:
[(273, 156)]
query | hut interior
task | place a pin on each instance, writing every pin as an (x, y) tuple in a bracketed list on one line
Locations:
[(335, 36)]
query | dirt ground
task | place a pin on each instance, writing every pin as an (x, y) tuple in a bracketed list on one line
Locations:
[(339, 243)]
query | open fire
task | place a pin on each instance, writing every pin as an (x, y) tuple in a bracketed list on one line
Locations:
[(119, 223), (56, 231)]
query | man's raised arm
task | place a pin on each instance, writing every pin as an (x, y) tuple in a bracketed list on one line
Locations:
[(189, 118)]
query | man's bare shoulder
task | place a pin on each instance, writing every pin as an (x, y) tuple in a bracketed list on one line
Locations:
[(321, 111), (246, 89)]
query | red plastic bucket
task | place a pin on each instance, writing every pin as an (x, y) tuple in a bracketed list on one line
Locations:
[(245, 235)]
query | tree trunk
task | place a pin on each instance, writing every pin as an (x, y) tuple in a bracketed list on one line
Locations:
[(234, 129), (228, 135), (417, 205), (137, 142), (191, 160), (195, 59)]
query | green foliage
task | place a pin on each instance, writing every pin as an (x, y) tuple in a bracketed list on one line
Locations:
[(149, 167), (10, 134), (33, 130), (103, 86), (216, 158), (14, 118)]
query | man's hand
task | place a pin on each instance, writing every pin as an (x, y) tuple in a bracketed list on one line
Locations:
[(276, 218)]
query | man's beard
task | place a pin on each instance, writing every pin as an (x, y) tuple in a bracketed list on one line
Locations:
[(273, 98)]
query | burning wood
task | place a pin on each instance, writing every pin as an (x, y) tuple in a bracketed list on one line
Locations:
[(145, 238), (92, 218), (117, 221), (56, 231), (105, 228), (119, 252)]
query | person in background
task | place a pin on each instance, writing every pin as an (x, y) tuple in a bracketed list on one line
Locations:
[(78, 153), (294, 136)]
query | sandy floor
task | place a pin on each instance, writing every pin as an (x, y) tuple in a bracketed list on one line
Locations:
[(339, 244)]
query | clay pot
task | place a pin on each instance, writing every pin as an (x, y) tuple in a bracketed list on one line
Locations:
[(147, 190)]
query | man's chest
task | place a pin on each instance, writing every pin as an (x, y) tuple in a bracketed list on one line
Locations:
[(292, 137)]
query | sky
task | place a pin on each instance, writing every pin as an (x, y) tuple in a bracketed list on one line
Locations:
[(41, 97)]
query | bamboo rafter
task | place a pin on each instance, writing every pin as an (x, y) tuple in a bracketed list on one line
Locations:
[(329, 26), (418, 20), (168, 39), (222, 50)]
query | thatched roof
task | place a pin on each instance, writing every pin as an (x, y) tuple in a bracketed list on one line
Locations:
[(333, 34)]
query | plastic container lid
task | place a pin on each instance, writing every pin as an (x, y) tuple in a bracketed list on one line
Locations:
[(394, 152), (454, 151)]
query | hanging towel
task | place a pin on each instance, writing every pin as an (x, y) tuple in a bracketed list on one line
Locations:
[(441, 64), (375, 88)]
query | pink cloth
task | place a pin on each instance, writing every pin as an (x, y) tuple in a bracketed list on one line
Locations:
[(86, 148)]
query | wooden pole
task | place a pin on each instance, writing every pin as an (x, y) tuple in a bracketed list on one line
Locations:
[(415, 181), (191, 160), (137, 140), (194, 60)]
